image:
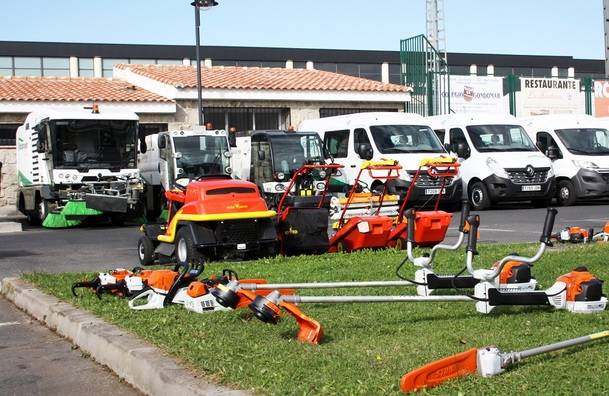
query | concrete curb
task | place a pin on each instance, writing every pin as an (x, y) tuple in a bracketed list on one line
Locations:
[(9, 227), (140, 364)]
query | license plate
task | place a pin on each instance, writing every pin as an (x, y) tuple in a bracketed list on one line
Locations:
[(434, 191), (535, 187), (241, 246)]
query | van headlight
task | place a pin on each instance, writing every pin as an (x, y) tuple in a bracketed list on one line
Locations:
[(585, 164), (550, 172), (496, 168)]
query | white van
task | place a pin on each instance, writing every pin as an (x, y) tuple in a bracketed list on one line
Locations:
[(499, 160), (578, 146), (407, 138)]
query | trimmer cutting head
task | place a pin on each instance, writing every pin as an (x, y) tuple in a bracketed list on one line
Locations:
[(265, 309), (226, 295)]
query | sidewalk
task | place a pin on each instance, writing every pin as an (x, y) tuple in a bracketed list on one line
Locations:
[(10, 219)]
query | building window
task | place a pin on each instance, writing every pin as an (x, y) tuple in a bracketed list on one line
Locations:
[(459, 70), (371, 71), (330, 112), (108, 65), (300, 65), (27, 66), (142, 61), (55, 67), (219, 63), (8, 134), (394, 73), (169, 61), (85, 67), (331, 67), (503, 71), (6, 66), (247, 118)]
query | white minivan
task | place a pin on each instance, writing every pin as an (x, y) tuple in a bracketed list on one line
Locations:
[(406, 138), (578, 146), (499, 162)]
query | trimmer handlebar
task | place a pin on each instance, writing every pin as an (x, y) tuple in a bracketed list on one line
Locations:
[(472, 239), (410, 218), (464, 214), (548, 226)]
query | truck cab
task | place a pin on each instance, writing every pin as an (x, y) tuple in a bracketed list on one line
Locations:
[(578, 146), (180, 156), (406, 138), (270, 158), (499, 162), (84, 155)]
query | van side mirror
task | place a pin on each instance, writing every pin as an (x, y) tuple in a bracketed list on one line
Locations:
[(261, 155), (463, 150), (365, 151), (161, 141), (552, 152), (143, 146), (40, 146)]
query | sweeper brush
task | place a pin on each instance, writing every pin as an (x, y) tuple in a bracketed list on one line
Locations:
[(487, 362), (71, 215)]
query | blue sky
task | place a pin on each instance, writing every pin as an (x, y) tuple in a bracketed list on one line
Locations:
[(541, 27)]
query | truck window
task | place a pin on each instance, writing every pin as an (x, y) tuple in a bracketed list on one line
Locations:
[(440, 133), (545, 140), (360, 136), (337, 143), (457, 136)]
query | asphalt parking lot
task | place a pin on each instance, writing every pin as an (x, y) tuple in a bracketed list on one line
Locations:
[(105, 247)]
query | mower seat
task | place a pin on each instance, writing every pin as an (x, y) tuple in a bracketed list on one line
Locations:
[(308, 202)]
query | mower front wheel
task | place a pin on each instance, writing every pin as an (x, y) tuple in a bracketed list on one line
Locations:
[(145, 250), (185, 250)]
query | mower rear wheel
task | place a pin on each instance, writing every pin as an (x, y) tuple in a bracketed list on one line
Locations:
[(185, 250), (145, 250), (340, 247), (400, 244)]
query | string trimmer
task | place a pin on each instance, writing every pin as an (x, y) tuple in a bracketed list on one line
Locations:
[(487, 362)]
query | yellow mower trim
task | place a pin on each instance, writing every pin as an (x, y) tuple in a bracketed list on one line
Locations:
[(386, 162), (437, 160), (171, 229)]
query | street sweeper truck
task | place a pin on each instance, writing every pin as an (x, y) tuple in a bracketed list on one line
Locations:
[(180, 155), (74, 164)]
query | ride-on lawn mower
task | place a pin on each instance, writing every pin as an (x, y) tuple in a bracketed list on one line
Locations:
[(211, 217), (371, 231), (431, 225), (578, 291), (303, 210)]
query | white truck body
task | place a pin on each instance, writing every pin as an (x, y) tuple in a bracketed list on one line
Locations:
[(406, 138), (499, 162), (69, 154), (184, 155), (579, 147)]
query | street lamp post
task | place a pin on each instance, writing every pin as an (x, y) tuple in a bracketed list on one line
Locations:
[(198, 4)]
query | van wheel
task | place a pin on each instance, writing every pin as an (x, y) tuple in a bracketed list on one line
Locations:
[(565, 193), (145, 250), (185, 250), (478, 196)]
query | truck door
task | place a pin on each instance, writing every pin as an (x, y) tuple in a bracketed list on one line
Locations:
[(166, 166), (336, 144)]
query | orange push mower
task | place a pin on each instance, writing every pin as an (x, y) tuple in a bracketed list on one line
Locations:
[(432, 224), (578, 291), (369, 231), (303, 210)]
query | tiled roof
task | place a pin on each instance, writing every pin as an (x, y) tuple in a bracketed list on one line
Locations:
[(64, 89), (232, 77)]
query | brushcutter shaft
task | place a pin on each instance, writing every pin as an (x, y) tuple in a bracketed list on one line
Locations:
[(370, 299), (562, 344), (410, 218), (323, 285)]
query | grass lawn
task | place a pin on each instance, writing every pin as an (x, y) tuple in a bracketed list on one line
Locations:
[(368, 347)]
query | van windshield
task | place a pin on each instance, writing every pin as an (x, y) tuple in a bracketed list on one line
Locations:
[(291, 152), (586, 141), (500, 138), (395, 139), (201, 155)]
